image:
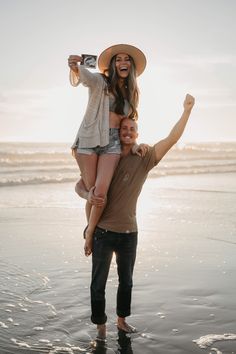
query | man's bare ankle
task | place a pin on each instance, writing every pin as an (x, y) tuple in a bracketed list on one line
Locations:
[(121, 320), (101, 331)]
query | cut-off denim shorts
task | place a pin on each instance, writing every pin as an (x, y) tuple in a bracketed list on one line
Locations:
[(113, 147)]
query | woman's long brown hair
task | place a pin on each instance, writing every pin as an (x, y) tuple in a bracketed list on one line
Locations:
[(131, 88)]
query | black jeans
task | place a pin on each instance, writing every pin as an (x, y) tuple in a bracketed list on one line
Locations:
[(124, 246)]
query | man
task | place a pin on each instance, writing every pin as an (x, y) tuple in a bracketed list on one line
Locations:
[(116, 230)]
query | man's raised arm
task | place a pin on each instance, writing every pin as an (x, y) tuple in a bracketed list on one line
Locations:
[(163, 146)]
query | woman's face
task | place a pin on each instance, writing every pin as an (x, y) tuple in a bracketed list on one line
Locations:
[(123, 65)]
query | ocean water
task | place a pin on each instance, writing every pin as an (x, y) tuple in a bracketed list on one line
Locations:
[(27, 163), (184, 280)]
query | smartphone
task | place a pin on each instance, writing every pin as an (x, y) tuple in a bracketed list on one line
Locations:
[(89, 60)]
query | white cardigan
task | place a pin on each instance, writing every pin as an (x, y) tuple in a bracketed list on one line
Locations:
[(94, 129)]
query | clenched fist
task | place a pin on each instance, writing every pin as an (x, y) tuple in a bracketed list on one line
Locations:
[(189, 102), (72, 62)]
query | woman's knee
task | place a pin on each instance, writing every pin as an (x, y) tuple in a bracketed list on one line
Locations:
[(81, 184)]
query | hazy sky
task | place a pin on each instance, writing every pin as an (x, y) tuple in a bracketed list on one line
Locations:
[(190, 47)]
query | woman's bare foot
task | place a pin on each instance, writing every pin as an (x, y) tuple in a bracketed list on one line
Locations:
[(122, 325), (101, 332), (88, 244)]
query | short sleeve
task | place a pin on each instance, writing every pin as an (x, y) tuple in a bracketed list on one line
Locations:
[(149, 160)]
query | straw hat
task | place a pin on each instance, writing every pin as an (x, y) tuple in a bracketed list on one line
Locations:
[(137, 55)]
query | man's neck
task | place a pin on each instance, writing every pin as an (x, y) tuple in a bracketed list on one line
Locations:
[(126, 149)]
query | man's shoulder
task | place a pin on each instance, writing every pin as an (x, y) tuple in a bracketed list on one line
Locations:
[(134, 159), (149, 153)]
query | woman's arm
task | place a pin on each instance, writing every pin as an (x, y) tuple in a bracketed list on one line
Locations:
[(73, 61), (163, 146), (79, 74)]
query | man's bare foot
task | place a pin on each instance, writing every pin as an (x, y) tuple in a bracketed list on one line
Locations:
[(122, 325), (101, 332)]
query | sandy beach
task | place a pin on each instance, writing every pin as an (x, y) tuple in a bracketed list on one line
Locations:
[(184, 281)]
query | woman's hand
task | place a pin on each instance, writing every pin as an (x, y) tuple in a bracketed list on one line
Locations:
[(73, 61), (189, 102), (140, 149)]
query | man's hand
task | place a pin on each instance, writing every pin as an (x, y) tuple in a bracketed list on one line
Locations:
[(140, 149), (188, 102), (92, 199)]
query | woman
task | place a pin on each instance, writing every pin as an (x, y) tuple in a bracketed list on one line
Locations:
[(113, 95)]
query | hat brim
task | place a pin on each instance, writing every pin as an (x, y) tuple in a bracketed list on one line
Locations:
[(137, 55)]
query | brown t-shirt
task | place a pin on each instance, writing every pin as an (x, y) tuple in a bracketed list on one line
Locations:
[(120, 212)]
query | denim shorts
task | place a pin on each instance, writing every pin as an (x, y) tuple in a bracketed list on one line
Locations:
[(112, 148)]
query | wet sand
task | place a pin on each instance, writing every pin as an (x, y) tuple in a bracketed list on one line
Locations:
[(184, 281)]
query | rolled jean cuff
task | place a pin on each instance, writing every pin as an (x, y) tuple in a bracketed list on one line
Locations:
[(99, 320), (123, 314)]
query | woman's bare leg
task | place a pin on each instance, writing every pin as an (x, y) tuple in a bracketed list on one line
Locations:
[(88, 169), (88, 206), (106, 166)]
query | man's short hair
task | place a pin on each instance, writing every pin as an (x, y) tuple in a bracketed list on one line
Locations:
[(132, 120)]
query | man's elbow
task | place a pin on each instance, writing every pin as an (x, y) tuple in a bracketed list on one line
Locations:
[(173, 139)]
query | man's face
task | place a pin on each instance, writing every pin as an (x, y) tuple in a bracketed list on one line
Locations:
[(128, 131)]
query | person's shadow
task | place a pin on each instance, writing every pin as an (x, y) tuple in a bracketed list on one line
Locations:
[(123, 345), (99, 348)]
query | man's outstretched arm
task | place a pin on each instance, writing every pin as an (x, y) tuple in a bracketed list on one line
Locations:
[(163, 146)]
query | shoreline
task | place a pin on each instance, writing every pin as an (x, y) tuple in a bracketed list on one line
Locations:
[(63, 195)]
